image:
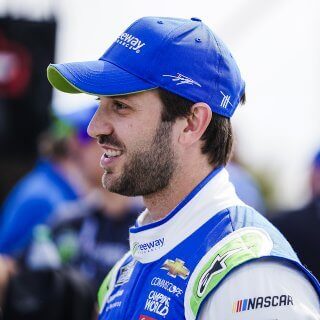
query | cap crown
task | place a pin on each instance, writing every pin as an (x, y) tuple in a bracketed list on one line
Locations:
[(181, 56)]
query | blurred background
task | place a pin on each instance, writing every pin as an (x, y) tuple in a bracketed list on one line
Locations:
[(276, 44), (60, 232)]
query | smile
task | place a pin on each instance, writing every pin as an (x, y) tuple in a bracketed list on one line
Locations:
[(109, 157), (112, 153)]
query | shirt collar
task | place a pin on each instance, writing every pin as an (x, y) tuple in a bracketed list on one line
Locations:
[(213, 194)]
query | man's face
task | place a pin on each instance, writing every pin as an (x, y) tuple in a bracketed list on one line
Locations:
[(139, 156)]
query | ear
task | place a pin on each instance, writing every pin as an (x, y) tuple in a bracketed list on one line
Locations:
[(195, 124)]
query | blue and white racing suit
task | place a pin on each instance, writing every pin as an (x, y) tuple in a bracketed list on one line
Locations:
[(212, 257)]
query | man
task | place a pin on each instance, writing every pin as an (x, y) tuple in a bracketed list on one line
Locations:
[(38, 194), (53, 181), (91, 233), (167, 89), (301, 226)]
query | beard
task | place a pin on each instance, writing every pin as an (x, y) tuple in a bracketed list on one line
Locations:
[(149, 170)]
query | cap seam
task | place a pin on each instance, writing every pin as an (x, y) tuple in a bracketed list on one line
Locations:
[(165, 39), (217, 82)]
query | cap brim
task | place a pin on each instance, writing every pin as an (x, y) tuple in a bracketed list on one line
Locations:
[(95, 77)]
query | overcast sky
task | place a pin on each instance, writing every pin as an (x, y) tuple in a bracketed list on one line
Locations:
[(275, 42)]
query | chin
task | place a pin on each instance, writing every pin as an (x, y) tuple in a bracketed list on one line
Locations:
[(109, 182), (105, 180)]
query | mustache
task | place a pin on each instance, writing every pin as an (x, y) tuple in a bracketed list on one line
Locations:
[(109, 140)]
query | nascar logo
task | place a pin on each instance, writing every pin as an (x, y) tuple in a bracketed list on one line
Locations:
[(261, 302)]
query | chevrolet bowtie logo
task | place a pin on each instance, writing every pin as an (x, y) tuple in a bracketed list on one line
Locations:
[(176, 268)]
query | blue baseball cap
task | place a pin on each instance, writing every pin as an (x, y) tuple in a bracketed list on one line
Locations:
[(182, 56)]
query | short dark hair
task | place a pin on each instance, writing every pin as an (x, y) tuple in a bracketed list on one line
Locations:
[(218, 137)]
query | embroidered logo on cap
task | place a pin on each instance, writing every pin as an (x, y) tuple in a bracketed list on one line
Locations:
[(130, 42), (181, 79), (225, 101)]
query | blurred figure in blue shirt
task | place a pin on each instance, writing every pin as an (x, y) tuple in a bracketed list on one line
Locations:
[(54, 180), (246, 187), (91, 233)]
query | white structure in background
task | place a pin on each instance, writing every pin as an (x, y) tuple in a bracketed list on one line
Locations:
[(276, 44)]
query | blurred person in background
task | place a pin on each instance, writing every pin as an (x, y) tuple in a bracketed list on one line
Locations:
[(7, 270), (245, 184), (301, 227), (91, 233), (42, 287), (54, 180)]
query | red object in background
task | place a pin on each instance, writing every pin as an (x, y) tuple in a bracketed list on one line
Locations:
[(15, 68), (143, 317), (26, 49)]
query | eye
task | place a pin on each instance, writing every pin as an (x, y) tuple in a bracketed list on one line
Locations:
[(97, 98), (119, 106)]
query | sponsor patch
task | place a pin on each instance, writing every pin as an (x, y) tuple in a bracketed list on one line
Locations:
[(142, 248), (143, 317), (166, 285), (115, 296), (125, 273), (113, 305), (262, 302), (176, 268), (157, 303), (235, 249), (217, 266)]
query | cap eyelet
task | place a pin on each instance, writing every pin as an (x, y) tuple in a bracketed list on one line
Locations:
[(160, 22), (196, 19), (198, 39)]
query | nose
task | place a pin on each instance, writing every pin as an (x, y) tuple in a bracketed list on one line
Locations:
[(99, 125)]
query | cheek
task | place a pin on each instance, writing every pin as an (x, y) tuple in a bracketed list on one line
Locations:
[(137, 136)]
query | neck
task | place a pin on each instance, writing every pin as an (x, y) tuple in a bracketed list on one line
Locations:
[(161, 203)]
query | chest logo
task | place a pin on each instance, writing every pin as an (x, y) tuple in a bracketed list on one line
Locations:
[(176, 268), (125, 273), (143, 317), (141, 248)]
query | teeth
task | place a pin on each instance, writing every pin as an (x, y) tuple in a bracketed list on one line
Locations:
[(112, 153)]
